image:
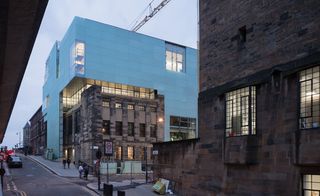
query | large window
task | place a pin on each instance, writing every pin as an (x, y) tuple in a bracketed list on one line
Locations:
[(175, 58), (130, 152), (153, 130), (311, 185), (127, 90), (309, 98), (142, 130), (182, 128), (241, 112), (118, 128), (118, 153), (130, 129), (78, 57)]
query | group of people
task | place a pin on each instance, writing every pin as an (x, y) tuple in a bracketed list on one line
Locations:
[(64, 162), (83, 168)]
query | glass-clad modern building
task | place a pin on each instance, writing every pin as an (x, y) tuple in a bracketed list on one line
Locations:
[(120, 63)]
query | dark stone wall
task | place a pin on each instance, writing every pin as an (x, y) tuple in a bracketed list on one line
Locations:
[(282, 38), (276, 32)]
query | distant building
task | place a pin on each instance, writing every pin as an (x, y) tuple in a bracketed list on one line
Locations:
[(38, 133), (26, 135), (259, 103), (110, 84)]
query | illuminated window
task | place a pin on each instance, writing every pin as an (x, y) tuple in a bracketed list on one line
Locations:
[(153, 131), (78, 57), (142, 153), (106, 104), (130, 107), (130, 152), (118, 153), (118, 128), (309, 98), (118, 105), (46, 74), (130, 129), (182, 128), (311, 185), (142, 130), (140, 108), (106, 127), (241, 112), (126, 90), (175, 57), (47, 100)]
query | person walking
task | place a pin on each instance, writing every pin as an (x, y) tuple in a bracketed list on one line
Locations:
[(80, 170), (68, 162), (86, 172), (64, 163)]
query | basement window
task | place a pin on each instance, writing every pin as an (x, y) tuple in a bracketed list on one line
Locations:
[(241, 112)]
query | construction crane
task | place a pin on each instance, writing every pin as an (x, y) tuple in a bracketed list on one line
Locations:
[(151, 14)]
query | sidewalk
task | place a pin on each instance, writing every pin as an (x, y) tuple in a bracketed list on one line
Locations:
[(56, 167), (137, 189)]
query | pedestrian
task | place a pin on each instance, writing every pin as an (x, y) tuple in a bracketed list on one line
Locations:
[(68, 162), (80, 170), (86, 172), (64, 163)]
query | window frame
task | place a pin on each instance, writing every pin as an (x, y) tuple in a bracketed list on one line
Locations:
[(174, 50), (252, 112), (304, 73), (144, 131)]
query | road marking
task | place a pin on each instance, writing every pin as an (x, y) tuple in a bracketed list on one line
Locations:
[(8, 187), (14, 186), (22, 193)]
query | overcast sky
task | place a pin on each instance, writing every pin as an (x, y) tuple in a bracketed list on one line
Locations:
[(176, 22)]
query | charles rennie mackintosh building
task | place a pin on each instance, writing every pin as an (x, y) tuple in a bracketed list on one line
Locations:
[(103, 83)]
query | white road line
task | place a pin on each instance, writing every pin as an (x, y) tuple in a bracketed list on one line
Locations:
[(14, 186), (8, 187)]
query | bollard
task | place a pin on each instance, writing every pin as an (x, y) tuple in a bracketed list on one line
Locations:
[(121, 193), (107, 189)]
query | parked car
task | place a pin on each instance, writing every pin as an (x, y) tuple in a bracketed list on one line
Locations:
[(14, 161)]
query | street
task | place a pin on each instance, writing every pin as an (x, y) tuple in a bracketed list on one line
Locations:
[(34, 179)]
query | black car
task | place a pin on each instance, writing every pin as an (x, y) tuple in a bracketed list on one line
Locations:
[(14, 161)]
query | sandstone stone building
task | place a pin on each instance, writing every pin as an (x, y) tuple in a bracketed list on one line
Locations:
[(38, 134), (259, 106), (130, 122), (26, 135)]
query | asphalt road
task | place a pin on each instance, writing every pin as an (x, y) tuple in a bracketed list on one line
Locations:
[(34, 180)]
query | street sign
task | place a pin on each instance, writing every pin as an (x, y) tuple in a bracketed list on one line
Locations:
[(155, 152), (108, 148)]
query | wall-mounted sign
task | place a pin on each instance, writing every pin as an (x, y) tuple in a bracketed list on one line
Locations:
[(108, 148)]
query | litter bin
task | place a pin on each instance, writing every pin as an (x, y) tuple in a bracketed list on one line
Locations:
[(121, 193), (107, 189)]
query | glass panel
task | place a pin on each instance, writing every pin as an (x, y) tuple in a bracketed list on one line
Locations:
[(130, 152), (309, 98), (168, 60), (238, 110)]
